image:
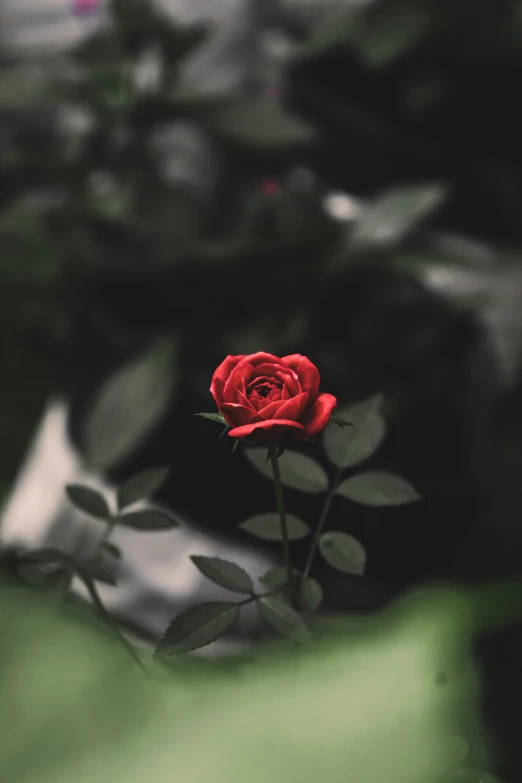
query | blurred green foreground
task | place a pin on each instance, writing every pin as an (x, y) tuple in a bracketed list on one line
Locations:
[(392, 699)]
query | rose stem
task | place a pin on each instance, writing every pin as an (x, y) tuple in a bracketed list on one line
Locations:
[(294, 588), (320, 526), (89, 584)]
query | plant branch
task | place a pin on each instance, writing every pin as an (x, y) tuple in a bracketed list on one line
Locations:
[(292, 585), (320, 526), (93, 592)]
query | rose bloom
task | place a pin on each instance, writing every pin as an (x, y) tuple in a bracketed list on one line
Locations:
[(268, 399)]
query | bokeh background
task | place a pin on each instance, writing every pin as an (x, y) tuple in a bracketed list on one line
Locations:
[(183, 180)]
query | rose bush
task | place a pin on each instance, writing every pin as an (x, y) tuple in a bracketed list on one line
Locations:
[(266, 398)]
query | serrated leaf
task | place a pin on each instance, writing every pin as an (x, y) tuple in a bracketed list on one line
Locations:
[(283, 619), (312, 594), (268, 527), (343, 552), (213, 417), (198, 626), (275, 577), (224, 573), (297, 470), (378, 488), (260, 123), (88, 500), (141, 486), (347, 447), (148, 519), (129, 406), (396, 213)]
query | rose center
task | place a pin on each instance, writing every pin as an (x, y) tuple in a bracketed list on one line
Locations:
[(262, 390)]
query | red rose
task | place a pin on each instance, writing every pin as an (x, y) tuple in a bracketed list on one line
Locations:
[(265, 398)]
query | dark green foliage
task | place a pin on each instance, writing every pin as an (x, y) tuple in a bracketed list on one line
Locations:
[(141, 486), (223, 573), (148, 519), (198, 626), (280, 616)]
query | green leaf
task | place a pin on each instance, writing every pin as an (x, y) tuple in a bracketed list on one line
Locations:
[(55, 580), (213, 417), (348, 447), (97, 571), (390, 31), (260, 123), (278, 614), (336, 30), (343, 552), (312, 594), (198, 626), (112, 549), (339, 421), (88, 500), (378, 488), (268, 527), (141, 486), (194, 102), (297, 470), (129, 406), (224, 573), (148, 519), (46, 556), (275, 577), (396, 213)]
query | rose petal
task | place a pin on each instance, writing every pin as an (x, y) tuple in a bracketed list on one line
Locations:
[(286, 393), (291, 381), (267, 369), (319, 414), (239, 375), (221, 376), (263, 383), (255, 359), (242, 398), (287, 409), (307, 373), (287, 373), (266, 431), (239, 414)]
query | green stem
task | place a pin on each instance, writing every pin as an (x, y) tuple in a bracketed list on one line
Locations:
[(107, 531), (293, 587), (93, 592), (320, 526)]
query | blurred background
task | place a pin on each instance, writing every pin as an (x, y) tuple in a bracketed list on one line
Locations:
[(339, 178)]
